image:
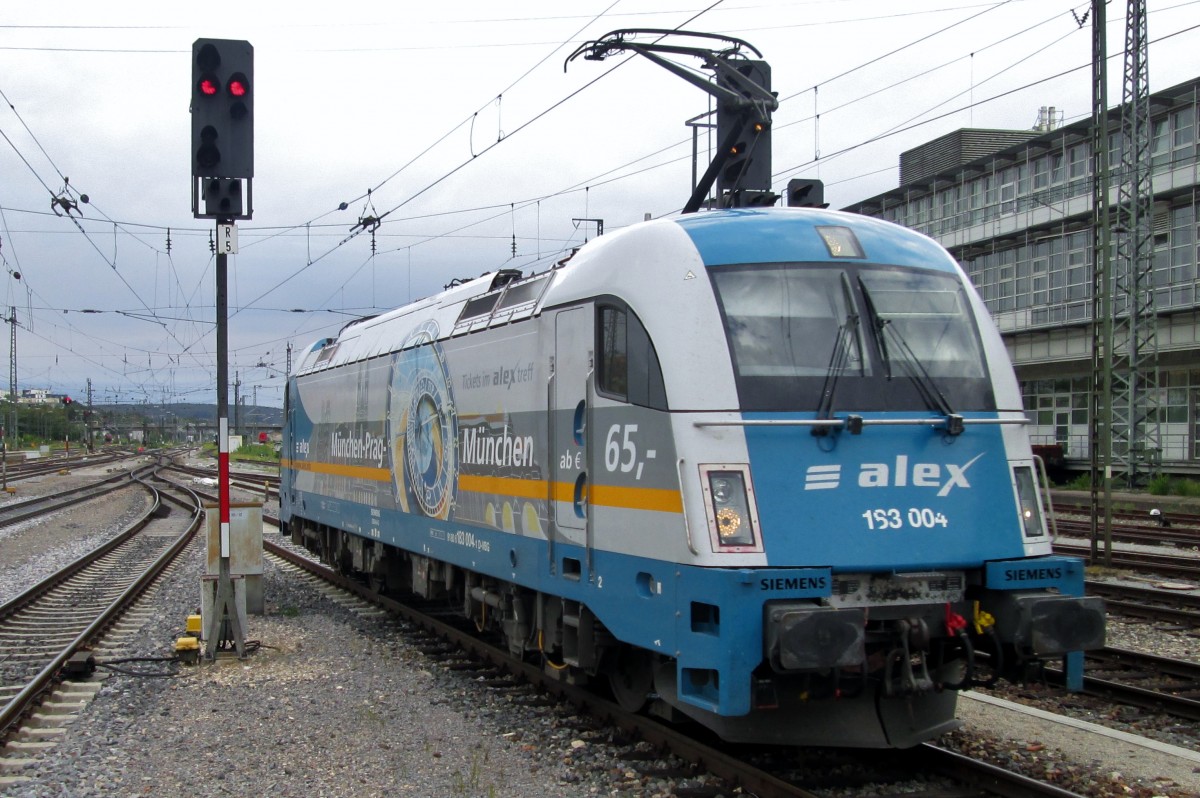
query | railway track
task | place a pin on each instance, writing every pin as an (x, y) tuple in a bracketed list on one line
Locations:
[(16, 512), (1167, 565), (1171, 606), (1142, 680), (768, 774), (15, 471), (261, 483), (1181, 537), (56, 621), (1137, 518)]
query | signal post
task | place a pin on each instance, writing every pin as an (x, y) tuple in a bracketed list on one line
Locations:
[(222, 155)]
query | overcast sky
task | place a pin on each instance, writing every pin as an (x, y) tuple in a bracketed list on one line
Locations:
[(457, 121)]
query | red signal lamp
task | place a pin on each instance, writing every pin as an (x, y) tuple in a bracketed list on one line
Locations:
[(208, 85), (238, 86)]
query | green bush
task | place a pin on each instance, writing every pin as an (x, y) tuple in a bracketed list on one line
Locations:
[(256, 452), (1160, 485), (1081, 482), (1165, 485), (1186, 487)]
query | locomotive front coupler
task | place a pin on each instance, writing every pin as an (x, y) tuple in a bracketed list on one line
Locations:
[(902, 676)]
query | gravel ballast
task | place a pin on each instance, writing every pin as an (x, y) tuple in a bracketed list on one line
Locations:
[(331, 705), (338, 703)]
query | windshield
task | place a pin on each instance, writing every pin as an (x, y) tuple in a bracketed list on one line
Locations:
[(794, 329), (776, 317), (931, 319)]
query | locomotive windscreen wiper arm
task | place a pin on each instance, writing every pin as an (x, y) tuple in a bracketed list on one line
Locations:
[(837, 362), (926, 386)]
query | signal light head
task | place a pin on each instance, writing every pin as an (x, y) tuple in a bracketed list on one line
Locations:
[(222, 109), (208, 154), (238, 85), (208, 58)]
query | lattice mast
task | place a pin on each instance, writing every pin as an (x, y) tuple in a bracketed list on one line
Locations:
[(1124, 425), (13, 432), (1136, 439), (1101, 416)]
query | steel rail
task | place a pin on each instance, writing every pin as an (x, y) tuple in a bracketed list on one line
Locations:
[(1135, 533), (32, 593), (43, 505), (19, 704), (1147, 602), (990, 777), (1157, 700), (1184, 567)]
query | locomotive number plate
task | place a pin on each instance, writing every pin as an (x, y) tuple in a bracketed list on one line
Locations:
[(881, 518)]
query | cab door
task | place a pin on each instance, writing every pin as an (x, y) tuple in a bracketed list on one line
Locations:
[(571, 371), (287, 476)]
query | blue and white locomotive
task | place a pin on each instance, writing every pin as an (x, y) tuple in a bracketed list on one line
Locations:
[(763, 468)]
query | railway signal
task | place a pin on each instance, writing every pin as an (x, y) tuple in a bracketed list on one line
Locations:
[(745, 177), (222, 144), (222, 108), (222, 155), (806, 193)]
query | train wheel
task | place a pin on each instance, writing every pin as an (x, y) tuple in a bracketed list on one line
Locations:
[(631, 678)]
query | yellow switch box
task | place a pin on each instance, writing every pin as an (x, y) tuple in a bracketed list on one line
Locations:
[(188, 650)]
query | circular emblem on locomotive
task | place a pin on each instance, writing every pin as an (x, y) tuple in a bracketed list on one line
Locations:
[(423, 426)]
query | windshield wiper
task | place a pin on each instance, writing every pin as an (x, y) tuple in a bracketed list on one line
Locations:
[(847, 335), (930, 393), (838, 359), (926, 386)]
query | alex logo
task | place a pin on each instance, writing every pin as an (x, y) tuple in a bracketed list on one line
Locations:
[(943, 476)]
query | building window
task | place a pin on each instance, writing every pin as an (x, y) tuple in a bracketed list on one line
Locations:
[(1041, 174), (1160, 141), (1184, 136)]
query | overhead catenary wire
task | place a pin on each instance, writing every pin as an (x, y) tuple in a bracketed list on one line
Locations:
[(166, 317), (878, 137), (473, 157), (72, 218)]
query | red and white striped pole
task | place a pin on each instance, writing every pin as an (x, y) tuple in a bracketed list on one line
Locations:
[(223, 399), (223, 480), (224, 604)]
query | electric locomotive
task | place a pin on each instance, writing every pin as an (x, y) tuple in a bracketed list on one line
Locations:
[(761, 468)]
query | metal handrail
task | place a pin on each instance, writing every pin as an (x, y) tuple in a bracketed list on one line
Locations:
[(842, 422), (1047, 500)]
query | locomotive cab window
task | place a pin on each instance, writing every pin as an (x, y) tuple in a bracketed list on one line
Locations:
[(627, 367), (863, 336)]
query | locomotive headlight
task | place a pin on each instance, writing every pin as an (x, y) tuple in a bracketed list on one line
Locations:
[(730, 508), (722, 490), (1027, 502)]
